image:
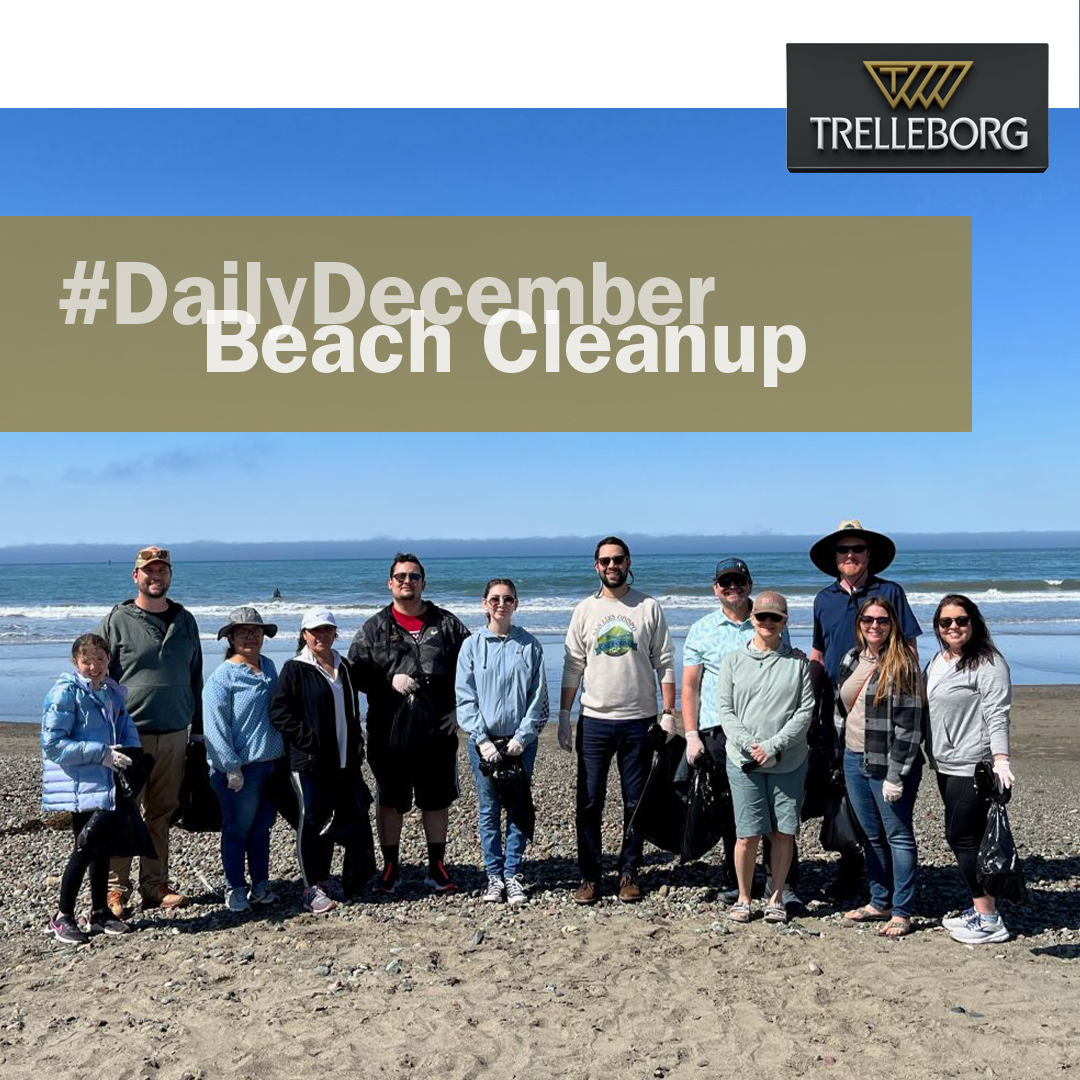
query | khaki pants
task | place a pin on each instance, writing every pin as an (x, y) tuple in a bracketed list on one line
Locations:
[(158, 800)]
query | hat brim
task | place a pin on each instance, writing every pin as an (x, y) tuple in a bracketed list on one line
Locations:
[(269, 629), (882, 551)]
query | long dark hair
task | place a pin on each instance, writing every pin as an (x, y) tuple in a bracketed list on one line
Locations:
[(980, 646), (500, 581), (898, 671)]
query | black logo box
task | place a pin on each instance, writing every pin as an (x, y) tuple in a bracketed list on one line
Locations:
[(830, 80)]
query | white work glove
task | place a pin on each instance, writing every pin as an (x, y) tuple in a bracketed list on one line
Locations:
[(234, 780), (667, 724), (566, 730), (404, 684), (114, 759), (514, 748), (694, 747), (1003, 772), (488, 751), (892, 791)]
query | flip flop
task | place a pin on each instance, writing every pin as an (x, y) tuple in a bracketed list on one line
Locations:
[(739, 913), (897, 926), (867, 914)]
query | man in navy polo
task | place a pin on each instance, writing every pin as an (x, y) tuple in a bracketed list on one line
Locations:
[(854, 556)]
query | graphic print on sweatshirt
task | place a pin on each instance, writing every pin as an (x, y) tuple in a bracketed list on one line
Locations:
[(615, 636)]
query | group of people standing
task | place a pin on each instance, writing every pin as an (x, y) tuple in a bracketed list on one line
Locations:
[(748, 703)]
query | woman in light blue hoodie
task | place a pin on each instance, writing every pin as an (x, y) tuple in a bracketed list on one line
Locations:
[(84, 731), (502, 705)]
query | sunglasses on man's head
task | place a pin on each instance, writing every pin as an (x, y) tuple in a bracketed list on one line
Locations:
[(612, 560), (961, 621), (875, 620), (855, 549), (731, 581), (402, 577), (768, 617)]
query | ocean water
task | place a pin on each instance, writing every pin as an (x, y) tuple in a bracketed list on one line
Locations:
[(1031, 600)]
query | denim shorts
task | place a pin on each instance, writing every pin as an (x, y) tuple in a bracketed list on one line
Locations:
[(766, 801)]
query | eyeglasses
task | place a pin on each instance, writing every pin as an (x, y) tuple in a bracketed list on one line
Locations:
[(875, 620), (961, 621), (613, 560), (402, 577), (248, 631), (768, 617), (496, 601), (732, 581), (854, 549)]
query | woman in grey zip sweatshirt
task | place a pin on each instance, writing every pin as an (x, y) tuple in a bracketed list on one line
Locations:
[(969, 692), (766, 702)]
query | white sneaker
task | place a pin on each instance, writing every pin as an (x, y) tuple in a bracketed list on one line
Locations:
[(236, 900), (495, 893), (958, 921), (316, 901), (261, 893), (515, 891), (981, 930)]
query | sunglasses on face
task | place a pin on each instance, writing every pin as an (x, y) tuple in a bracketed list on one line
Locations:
[(248, 631), (854, 549), (402, 577), (768, 617), (732, 581), (613, 560), (508, 601), (961, 621), (875, 620)]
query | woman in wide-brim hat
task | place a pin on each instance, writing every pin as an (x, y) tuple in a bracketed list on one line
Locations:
[(241, 748), (882, 549)]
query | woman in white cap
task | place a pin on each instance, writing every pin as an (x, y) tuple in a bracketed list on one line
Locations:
[(969, 694), (241, 748), (766, 704), (315, 708)]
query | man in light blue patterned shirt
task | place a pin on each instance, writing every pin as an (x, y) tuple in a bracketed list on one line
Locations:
[(707, 642)]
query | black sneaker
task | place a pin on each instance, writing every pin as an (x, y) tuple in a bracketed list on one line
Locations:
[(387, 881), (66, 929), (438, 880), (105, 922)]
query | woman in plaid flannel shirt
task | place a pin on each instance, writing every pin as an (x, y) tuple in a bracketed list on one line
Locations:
[(880, 714)]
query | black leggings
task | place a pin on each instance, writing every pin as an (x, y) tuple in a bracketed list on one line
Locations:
[(965, 822), (82, 858)]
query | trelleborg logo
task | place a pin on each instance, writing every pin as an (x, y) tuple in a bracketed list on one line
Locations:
[(919, 108), (912, 69)]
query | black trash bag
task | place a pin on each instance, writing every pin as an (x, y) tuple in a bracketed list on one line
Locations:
[(821, 738), (660, 815), (122, 831), (513, 787), (705, 809), (351, 828), (840, 828), (416, 720), (998, 867), (818, 791), (199, 809)]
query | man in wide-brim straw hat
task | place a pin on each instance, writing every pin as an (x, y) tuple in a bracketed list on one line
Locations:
[(854, 557)]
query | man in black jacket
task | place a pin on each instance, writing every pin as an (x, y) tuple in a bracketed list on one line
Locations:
[(404, 659)]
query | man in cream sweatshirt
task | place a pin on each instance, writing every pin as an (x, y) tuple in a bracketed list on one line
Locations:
[(618, 641)]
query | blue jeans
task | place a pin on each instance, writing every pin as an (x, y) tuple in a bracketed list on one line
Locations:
[(598, 741), (247, 816), (892, 861), (491, 840)]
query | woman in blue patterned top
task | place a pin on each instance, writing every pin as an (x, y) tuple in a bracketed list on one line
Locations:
[(242, 747)]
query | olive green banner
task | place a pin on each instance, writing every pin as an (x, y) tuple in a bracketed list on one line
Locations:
[(390, 324)]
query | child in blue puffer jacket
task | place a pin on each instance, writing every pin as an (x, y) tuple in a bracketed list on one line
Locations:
[(84, 729)]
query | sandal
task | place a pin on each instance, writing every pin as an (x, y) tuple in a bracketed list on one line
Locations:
[(739, 912), (867, 914), (775, 913), (897, 926)]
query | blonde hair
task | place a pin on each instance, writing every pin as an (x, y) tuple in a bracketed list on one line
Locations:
[(898, 671)]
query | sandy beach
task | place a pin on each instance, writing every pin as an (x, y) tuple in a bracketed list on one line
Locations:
[(449, 987)]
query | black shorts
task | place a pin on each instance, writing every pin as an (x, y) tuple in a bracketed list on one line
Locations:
[(427, 776)]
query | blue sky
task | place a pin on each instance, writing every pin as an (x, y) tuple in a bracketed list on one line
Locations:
[(1015, 470)]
